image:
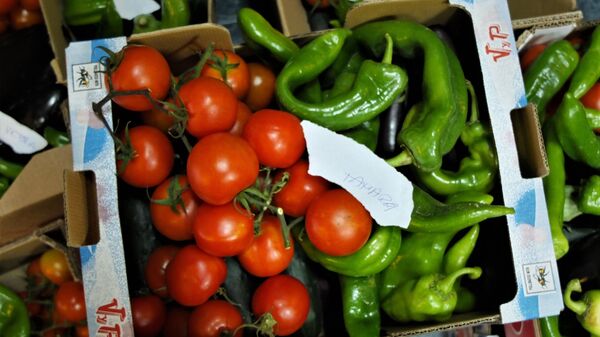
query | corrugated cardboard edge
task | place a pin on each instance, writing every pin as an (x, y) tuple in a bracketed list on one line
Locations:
[(456, 322), (548, 20), (520, 9), (439, 11), (530, 142)]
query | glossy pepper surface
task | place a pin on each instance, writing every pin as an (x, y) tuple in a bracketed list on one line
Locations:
[(14, 320), (101, 13), (587, 308), (549, 326), (589, 196), (588, 70), (366, 133), (438, 120), (9, 169), (376, 86), (360, 305)]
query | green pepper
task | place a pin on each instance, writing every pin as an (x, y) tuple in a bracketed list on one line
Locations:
[(345, 78), (475, 173), (367, 133), (549, 326), (588, 70), (84, 12), (175, 13), (342, 7), (360, 305), (9, 169), (554, 188), (575, 134), (375, 88), (374, 256), (56, 138), (111, 24), (589, 196), (349, 58), (436, 122), (593, 117), (548, 73), (145, 23), (587, 309), (4, 184), (14, 320), (428, 298)]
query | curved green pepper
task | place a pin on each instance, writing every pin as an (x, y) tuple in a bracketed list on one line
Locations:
[(549, 326), (9, 169), (370, 259), (375, 88), (589, 196), (56, 138), (588, 70), (175, 13), (439, 119), (14, 320), (587, 309), (360, 305)]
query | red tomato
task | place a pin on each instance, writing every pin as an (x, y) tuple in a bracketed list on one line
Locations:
[(243, 113), (276, 137), (211, 106), (267, 255), (177, 322), (4, 23), (215, 318), (153, 158), (262, 86), (34, 272), (158, 118), (56, 332), (141, 67), (337, 223), (32, 5), (591, 99), (530, 55), (318, 3), (220, 166), (82, 331), (175, 225), (149, 315), (6, 6), (69, 301), (194, 276), (235, 69), (21, 18), (224, 230), (300, 189), (286, 299), (55, 267), (156, 267)]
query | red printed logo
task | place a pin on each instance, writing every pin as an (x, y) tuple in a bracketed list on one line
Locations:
[(498, 45), (106, 316)]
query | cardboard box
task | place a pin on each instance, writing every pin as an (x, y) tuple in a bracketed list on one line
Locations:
[(527, 248)]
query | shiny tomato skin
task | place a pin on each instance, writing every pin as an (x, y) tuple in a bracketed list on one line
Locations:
[(176, 226), (237, 75), (177, 321), (211, 105), (34, 272), (591, 99), (149, 315), (155, 269), (214, 318), (276, 137), (300, 189), (224, 230), (21, 18), (220, 166), (69, 301), (243, 114), (193, 276), (6, 6), (337, 223), (142, 67), (32, 5), (286, 298), (158, 118), (153, 158), (262, 86), (55, 267), (267, 255)]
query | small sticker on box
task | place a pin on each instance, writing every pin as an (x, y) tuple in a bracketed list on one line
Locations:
[(87, 76), (538, 278)]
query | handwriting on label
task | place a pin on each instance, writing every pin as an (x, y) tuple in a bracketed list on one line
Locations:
[(19, 137), (105, 317), (385, 199), (497, 46)]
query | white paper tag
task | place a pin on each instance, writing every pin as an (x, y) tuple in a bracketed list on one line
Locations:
[(385, 192), (129, 9), (547, 35), (20, 138)]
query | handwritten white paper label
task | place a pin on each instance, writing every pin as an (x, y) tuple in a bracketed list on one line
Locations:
[(129, 9), (20, 138), (385, 192)]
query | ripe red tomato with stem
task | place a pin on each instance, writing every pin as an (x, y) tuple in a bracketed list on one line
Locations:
[(243, 114), (337, 223), (230, 68), (69, 301), (286, 299), (215, 318), (173, 208), (148, 159), (211, 106), (176, 324), (156, 267), (276, 137), (149, 315), (193, 276), (55, 267), (141, 67), (262, 86), (224, 230), (220, 166), (159, 118), (300, 189), (267, 255)]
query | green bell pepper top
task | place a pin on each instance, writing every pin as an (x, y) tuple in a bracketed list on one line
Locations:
[(14, 320), (9, 169), (587, 308), (374, 256), (588, 70), (589, 196), (549, 326), (360, 305), (548, 73), (375, 88), (438, 120), (429, 298), (575, 134)]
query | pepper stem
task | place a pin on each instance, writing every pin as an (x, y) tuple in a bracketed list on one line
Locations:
[(389, 49), (474, 106), (578, 307), (402, 159), (447, 284)]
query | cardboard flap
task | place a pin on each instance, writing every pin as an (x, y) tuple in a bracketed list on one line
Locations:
[(35, 197), (294, 20), (437, 12), (530, 142), (520, 9), (18, 251), (81, 211)]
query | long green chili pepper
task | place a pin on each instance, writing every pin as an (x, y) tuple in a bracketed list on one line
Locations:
[(14, 320), (9, 169), (593, 117), (589, 196), (548, 73), (375, 88), (175, 13), (4, 184), (360, 305), (83, 12), (438, 120), (549, 326), (588, 70), (346, 59), (575, 134), (56, 138), (587, 309)]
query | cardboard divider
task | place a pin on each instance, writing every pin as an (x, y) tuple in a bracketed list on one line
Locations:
[(82, 216), (530, 143)]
